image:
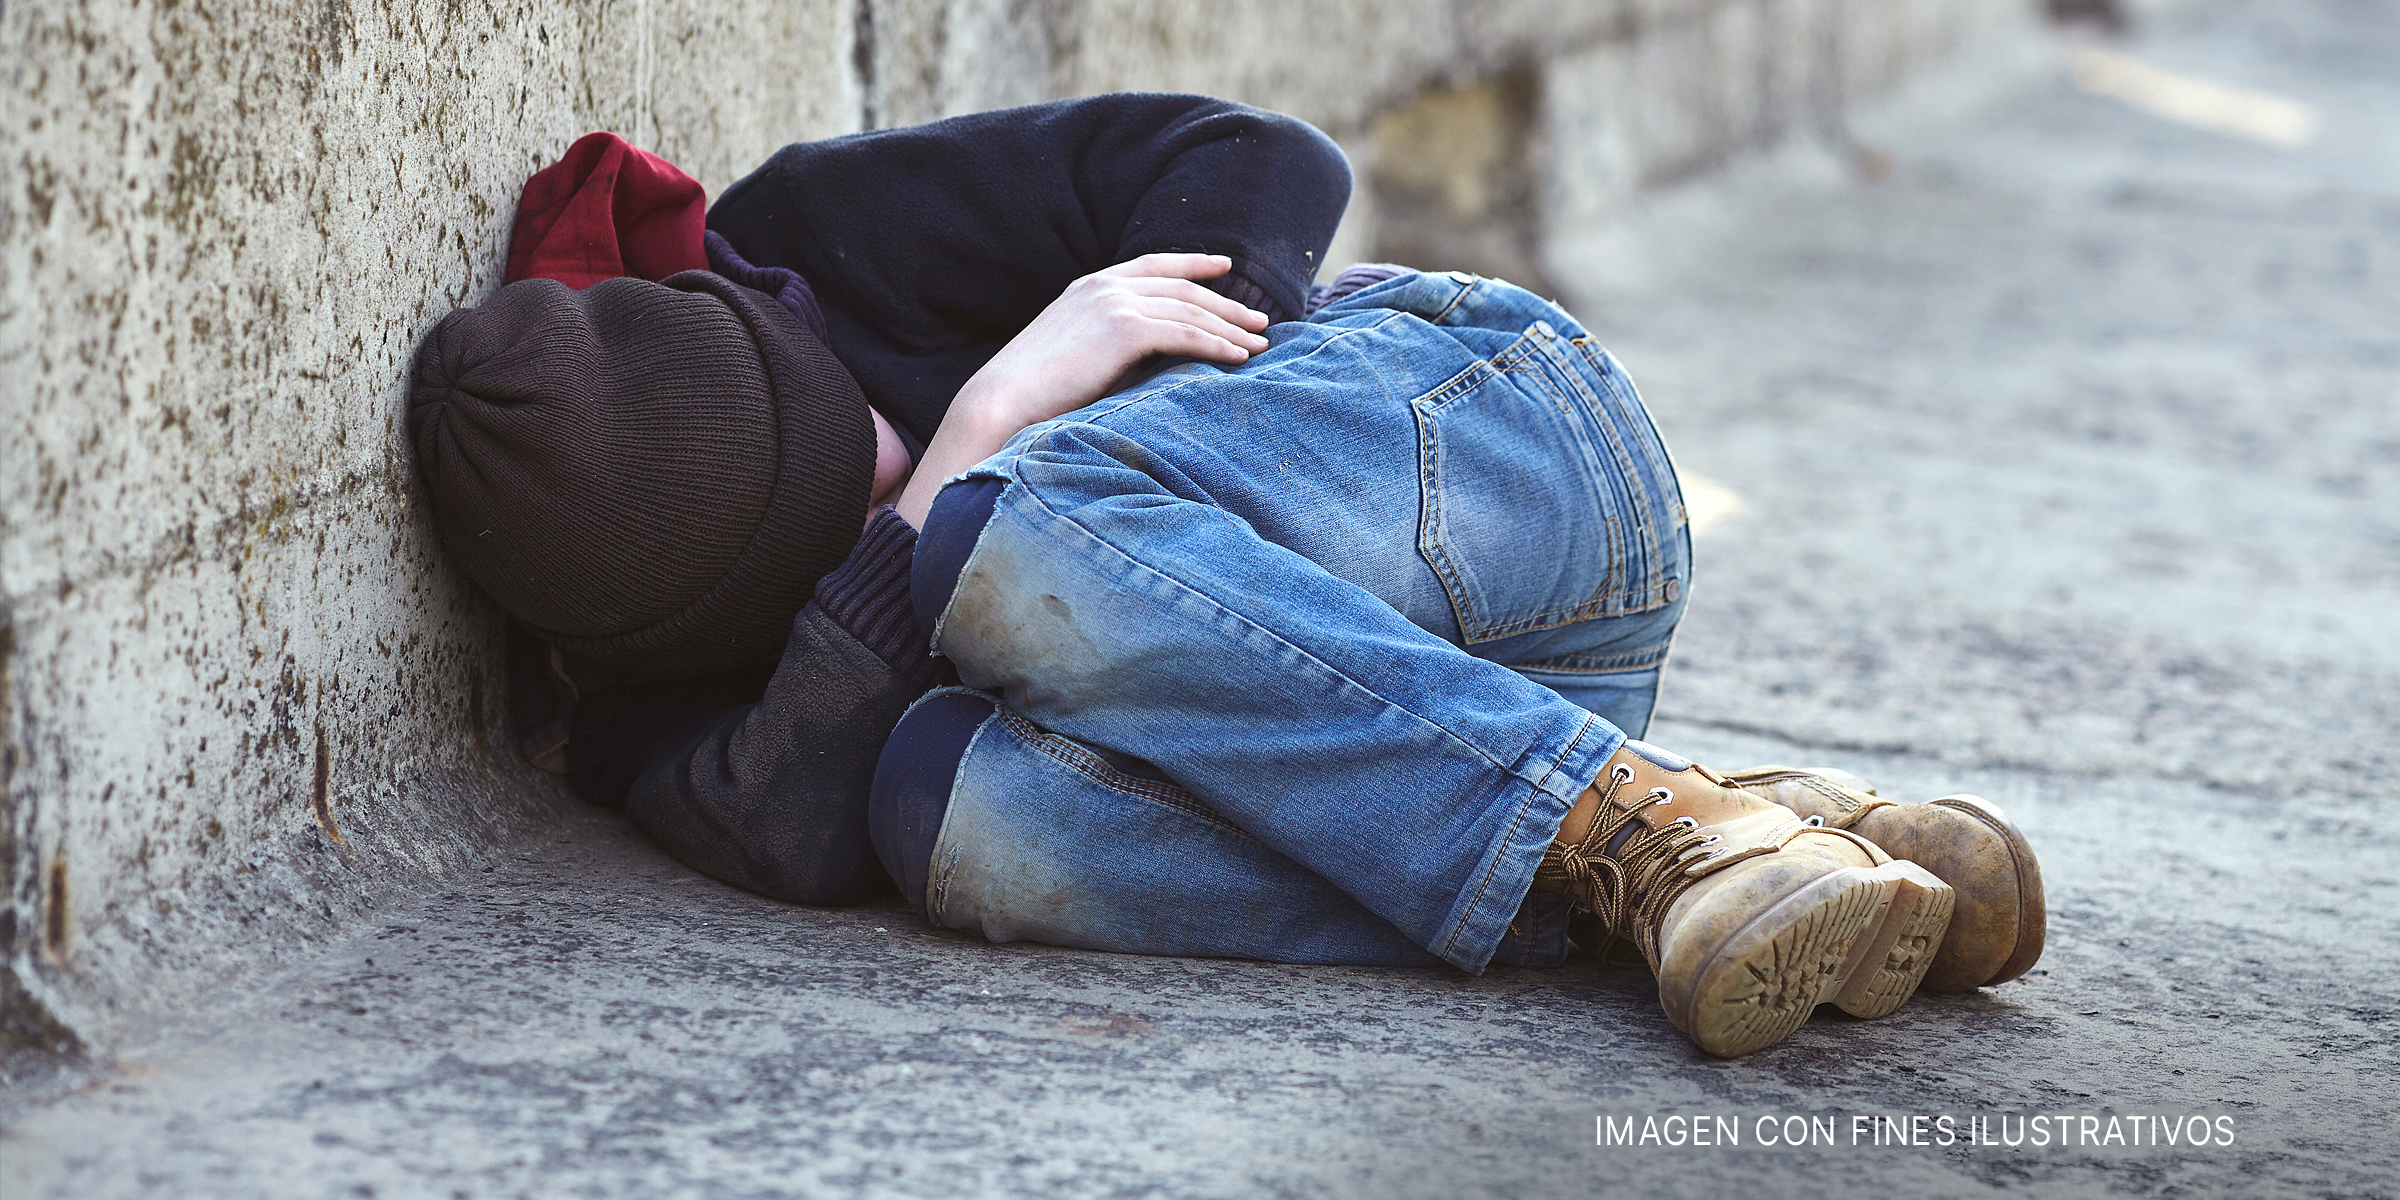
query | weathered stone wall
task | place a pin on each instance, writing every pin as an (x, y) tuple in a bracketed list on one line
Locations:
[(241, 697)]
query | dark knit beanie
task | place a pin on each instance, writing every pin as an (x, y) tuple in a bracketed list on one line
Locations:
[(652, 475)]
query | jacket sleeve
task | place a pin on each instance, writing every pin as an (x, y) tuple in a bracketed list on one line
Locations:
[(930, 246), (772, 795)]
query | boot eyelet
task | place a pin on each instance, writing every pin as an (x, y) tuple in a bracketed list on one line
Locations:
[(1814, 822), (1712, 839), (1686, 821), (1660, 795), (1621, 773)]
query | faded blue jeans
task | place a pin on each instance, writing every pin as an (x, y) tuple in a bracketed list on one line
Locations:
[(1304, 661)]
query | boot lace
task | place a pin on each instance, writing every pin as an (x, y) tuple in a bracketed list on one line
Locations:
[(1630, 892)]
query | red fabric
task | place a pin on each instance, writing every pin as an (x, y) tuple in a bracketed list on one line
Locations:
[(607, 210)]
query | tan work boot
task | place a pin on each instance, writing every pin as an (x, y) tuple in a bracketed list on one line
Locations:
[(1996, 934), (1749, 915)]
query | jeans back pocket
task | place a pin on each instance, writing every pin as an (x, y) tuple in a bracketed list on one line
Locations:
[(1548, 497)]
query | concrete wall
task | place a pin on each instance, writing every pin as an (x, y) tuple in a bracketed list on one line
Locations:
[(241, 696)]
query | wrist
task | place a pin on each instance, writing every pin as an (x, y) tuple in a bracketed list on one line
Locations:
[(991, 408), (974, 429)]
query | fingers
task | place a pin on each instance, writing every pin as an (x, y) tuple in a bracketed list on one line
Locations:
[(1170, 269), (1191, 341), (1206, 319), (1232, 311), (1176, 266), (1111, 319)]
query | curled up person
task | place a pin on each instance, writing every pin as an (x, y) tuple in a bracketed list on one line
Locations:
[(1004, 512)]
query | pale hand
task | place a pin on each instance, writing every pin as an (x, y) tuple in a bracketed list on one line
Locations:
[(1077, 350)]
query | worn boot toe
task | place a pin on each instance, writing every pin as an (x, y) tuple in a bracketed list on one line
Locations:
[(1997, 932)]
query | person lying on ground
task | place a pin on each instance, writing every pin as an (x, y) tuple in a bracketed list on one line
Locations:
[(1317, 635)]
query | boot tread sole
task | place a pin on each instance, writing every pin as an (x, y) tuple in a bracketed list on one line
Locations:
[(1859, 937)]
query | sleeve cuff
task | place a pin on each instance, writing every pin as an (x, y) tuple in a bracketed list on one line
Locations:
[(868, 597)]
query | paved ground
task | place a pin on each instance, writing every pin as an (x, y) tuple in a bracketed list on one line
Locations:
[(2064, 461)]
